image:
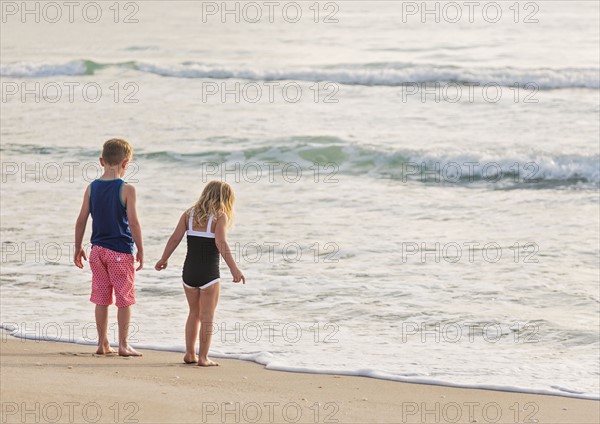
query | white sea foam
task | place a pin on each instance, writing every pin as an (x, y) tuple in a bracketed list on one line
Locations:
[(461, 167), (370, 74), (41, 70), (270, 362), (390, 74)]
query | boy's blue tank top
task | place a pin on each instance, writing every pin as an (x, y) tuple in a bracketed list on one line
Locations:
[(110, 226)]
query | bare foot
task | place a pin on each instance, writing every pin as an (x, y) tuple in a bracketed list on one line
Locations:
[(190, 359), (128, 351), (207, 363), (105, 350)]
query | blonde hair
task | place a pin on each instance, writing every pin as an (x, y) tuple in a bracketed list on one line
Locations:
[(115, 150), (217, 198)]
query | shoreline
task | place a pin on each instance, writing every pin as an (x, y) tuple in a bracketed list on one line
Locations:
[(59, 382), (297, 370)]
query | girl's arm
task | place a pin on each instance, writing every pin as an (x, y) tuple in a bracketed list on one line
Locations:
[(225, 251), (173, 242), (80, 229)]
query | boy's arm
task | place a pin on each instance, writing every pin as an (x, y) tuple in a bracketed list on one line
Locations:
[(130, 201), (172, 244), (225, 251), (80, 229)]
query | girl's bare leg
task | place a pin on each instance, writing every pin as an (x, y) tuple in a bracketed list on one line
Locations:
[(208, 304), (123, 317), (102, 327), (192, 326)]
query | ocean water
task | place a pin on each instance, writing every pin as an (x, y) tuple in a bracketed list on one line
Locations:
[(383, 231)]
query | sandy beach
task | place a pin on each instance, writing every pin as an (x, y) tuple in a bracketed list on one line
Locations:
[(62, 382)]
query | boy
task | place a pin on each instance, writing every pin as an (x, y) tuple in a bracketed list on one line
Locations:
[(115, 228)]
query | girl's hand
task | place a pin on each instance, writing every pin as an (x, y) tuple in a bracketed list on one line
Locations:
[(238, 276), (79, 255), (160, 265)]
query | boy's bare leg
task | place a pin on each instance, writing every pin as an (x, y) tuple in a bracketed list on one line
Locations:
[(102, 327), (208, 304), (123, 317), (192, 326)]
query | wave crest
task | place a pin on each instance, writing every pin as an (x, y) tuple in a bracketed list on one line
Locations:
[(371, 74)]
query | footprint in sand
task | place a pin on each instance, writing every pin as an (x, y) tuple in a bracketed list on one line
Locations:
[(76, 354)]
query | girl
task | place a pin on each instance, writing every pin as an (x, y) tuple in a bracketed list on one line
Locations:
[(206, 226)]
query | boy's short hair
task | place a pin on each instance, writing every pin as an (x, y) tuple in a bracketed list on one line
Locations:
[(116, 150)]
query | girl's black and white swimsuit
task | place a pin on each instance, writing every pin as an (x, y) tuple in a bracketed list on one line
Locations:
[(201, 266)]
